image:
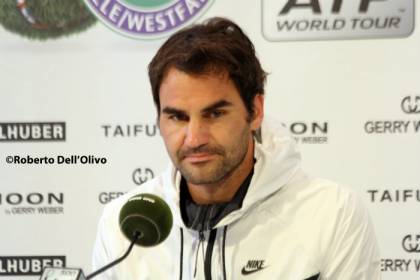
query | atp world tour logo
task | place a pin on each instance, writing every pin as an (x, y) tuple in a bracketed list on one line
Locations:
[(147, 19), (288, 20)]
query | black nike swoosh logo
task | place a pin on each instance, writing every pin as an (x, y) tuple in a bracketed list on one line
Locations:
[(246, 272)]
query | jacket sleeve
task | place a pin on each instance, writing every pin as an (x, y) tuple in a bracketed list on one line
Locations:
[(101, 256), (353, 252)]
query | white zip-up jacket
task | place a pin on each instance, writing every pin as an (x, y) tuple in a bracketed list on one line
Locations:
[(290, 227)]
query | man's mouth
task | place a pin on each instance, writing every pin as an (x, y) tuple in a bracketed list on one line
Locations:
[(199, 157)]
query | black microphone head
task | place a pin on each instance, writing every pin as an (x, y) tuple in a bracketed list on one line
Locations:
[(147, 215)]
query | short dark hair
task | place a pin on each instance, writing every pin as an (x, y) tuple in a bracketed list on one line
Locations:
[(215, 46)]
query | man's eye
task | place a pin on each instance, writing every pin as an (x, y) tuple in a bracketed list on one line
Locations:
[(216, 114), (177, 118)]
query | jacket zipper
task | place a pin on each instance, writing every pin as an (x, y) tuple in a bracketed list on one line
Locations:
[(209, 253), (201, 236), (201, 239)]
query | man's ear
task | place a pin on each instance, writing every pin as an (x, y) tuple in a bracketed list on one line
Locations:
[(258, 115)]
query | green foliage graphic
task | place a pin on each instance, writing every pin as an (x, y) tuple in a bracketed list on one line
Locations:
[(45, 19)]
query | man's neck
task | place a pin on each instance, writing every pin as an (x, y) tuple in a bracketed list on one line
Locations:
[(224, 190)]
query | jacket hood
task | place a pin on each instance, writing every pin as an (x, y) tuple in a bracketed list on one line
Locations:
[(277, 160)]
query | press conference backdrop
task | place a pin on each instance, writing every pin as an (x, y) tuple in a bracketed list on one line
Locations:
[(77, 121)]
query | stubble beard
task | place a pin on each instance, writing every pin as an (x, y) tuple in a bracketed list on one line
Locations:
[(220, 168)]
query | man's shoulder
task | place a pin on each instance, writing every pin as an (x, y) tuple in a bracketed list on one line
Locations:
[(329, 202), (303, 186), (319, 209), (321, 197), (339, 193), (329, 189)]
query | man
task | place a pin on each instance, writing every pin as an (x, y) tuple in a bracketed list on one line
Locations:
[(243, 208)]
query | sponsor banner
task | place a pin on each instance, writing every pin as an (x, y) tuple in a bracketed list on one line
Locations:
[(410, 105), (32, 131), (410, 244), (129, 130), (400, 265), (145, 19), (105, 197), (142, 175), (392, 126), (139, 176), (312, 132), (393, 195), (28, 265), (35, 203), (288, 20)]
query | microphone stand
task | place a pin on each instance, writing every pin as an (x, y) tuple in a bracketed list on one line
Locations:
[(136, 236)]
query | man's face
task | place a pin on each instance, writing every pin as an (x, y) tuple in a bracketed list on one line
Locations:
[(204, 124)]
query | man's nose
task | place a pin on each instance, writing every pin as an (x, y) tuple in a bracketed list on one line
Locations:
[(197, 134)]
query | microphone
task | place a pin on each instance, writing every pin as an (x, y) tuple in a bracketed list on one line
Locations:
[(145, 219), (146, 215)]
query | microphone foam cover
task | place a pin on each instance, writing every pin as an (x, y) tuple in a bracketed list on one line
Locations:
[(148, 215)]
